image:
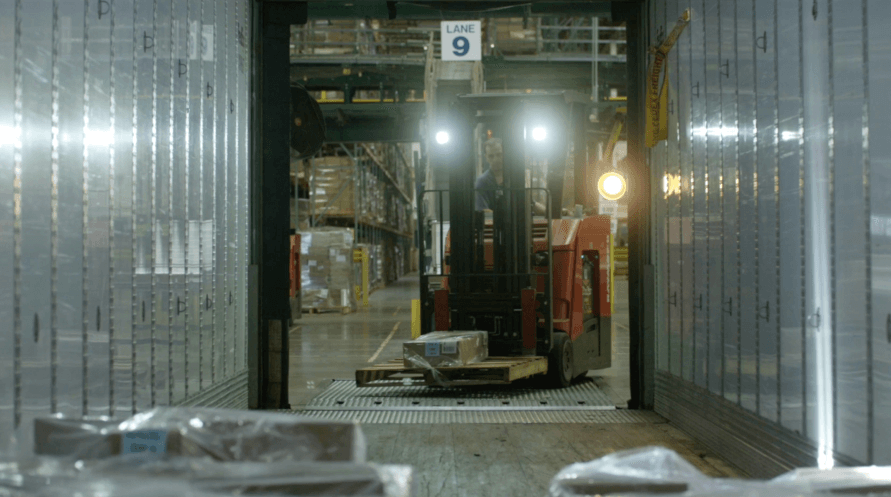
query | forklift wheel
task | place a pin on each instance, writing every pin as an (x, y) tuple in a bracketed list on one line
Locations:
[(560, 362)]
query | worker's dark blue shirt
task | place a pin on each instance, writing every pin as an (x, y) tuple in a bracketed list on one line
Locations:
[(485, 191)]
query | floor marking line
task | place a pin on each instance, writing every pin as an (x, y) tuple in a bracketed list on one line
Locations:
[(381, 348), (397, 310)]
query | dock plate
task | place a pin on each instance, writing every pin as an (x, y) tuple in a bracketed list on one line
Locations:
[(495, 370), (344, 395)]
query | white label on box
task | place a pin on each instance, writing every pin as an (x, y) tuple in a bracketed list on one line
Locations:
[(461, 40), (150, 444), (341, 258), (450, 347), (431, 349)]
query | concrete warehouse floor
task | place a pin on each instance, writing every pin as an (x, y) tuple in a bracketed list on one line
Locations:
[(472, 459)]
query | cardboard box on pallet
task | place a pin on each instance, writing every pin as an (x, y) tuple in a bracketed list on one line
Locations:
[(219, 434), (446, 348)]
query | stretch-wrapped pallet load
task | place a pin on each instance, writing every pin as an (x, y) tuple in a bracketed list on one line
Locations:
[(378, 264), (333, 186), (327, 278), (657, 471), (300, 218)]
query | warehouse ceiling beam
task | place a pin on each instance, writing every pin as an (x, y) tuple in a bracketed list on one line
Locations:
[(504, 74), (373, 122), (359, 76), (456, 10)]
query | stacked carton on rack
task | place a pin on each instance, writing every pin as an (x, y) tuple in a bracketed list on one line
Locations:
[(333, 188), (327, 279)]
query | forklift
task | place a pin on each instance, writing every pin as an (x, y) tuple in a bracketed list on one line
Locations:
[(539, 285)]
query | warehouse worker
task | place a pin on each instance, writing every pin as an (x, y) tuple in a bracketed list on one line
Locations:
[(489, 183)]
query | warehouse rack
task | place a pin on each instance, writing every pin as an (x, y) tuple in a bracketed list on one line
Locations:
[(386, 221)]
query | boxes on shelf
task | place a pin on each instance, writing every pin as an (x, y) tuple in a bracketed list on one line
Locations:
[(327, 279)]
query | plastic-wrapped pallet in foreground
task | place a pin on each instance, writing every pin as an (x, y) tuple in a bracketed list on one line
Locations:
[(656, 471), (195, 477), (218, 434)]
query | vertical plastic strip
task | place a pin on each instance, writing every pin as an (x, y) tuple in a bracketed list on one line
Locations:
[(790, 285), (70, 237), (163, 121), (746, 233), (818, 211), (244, 65), (184, 63), (208, 161), (54, 214), (216, 202), (97, 143), (179, 193), (805, 350), (692, 92), (878, 62), (223, 80), (711, 92), (764, 306), (33, 183), (121, 26), (8, 349), (233, 214), (193, 234), (681, 117), (851, 351), (726, 131), (870, 399), (17, 219)]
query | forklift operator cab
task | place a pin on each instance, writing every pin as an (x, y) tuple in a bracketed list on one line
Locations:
[(539, 285)]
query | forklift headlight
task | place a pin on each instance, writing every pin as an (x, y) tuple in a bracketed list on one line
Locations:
[(612, 185), (442, 137), (539, 133)]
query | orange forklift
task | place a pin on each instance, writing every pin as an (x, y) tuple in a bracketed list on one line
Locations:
[(537, 284)]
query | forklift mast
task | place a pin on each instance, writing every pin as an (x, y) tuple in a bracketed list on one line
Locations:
[(500, 271)]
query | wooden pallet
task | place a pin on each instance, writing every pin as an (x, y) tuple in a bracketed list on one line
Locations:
[(323, 310), (495, 370)]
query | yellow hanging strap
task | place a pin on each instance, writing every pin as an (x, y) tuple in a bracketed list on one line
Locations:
[(657, 98), (662, 132), (614, 135), (415, 319)]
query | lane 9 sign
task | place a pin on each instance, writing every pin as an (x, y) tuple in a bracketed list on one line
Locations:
[(461, 40)]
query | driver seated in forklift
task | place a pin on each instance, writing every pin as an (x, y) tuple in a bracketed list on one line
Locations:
[(488, 185)]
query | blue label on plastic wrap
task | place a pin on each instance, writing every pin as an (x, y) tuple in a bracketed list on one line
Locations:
[(145, 443), (432, 349)]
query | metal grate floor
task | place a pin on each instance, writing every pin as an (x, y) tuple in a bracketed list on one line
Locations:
[(535, 416), (343, 395)]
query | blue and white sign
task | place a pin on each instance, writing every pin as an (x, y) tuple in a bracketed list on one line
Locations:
[(461, 40)]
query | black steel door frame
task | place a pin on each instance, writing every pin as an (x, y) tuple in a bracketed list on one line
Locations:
[(268, 284), (640, 265)]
